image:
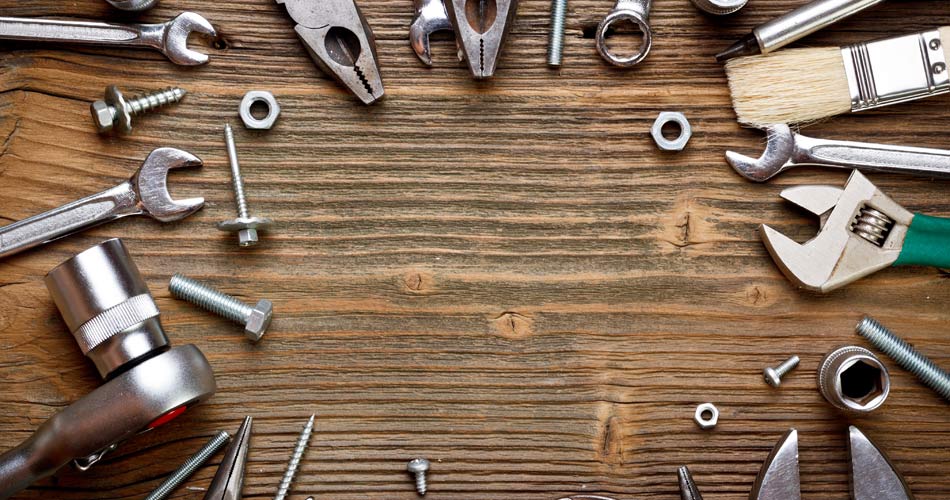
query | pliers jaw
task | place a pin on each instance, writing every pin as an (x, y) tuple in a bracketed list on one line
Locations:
[(862, 231), (481, 27), (229, 479)]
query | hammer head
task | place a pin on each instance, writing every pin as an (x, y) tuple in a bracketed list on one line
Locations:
[(778, 153), (151, 184)]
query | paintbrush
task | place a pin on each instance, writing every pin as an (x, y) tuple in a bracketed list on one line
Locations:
[(805, 85)]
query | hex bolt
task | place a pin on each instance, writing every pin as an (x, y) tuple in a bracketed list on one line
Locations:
[(190, 466), (773, 376), (255, 318), (556, 37), (245, 225), (418, 467), (905, 355), (114, 112)]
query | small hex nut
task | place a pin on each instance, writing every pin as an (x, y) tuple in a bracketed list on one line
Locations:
[(259, 320), (686, 131), (273, 110), (704, 422)]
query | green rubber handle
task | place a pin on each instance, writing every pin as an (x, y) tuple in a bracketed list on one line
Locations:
[(927, 243)]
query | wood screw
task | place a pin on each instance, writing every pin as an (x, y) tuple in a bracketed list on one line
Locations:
[(418, 468)]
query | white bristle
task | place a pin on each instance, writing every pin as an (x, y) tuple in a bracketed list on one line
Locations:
[(793, 86)]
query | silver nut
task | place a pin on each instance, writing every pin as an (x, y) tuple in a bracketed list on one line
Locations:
[(259, 320), (102, 116), (707, 416), (686, 131), (273, 110)]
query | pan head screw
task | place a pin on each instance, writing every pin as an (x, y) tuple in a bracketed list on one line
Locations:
[(418, 467), (773, 376)]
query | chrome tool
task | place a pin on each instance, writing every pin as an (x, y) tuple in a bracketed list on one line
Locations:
[(340, 42), (481, 28), (169, 38), (115, 321), (852, 379), (862, 231), (636, 12), (688, 489), (430, 17), (229, 480), (133, 5), (786, 149), (145, 193)]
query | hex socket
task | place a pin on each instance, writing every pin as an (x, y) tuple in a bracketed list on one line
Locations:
[(852, 379)]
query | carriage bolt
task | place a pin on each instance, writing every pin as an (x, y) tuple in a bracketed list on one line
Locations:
[(255, 318)]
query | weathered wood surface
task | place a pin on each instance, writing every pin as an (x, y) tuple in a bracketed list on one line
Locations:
[(506, 277)]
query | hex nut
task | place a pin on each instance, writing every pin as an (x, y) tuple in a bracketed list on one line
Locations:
[(703, 422), (259, 320), (686, 131), (273, 110)]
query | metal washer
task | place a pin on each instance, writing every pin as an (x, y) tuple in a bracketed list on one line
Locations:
[(273, 110)]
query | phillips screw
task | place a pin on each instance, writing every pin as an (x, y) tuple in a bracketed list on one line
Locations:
[(905, 355), (255, 318), (773, 376), (114, 112), (301, 447), (418, 467), (245, 226), (556, 37), (190, 466)]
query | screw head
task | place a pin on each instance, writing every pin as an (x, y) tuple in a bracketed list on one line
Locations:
[(771, 377), (102, 116), (259, 320), (417, 465), (246, 228)]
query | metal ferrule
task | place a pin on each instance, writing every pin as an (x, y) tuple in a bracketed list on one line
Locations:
[(896, 70)]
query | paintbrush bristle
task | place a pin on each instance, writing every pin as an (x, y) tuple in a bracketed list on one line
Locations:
[(789, 86)]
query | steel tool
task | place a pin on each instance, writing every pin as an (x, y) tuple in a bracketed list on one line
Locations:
[(636, 12), (862, 231), (688, 489), (229, 480), (340, 42), (145, 193), (873, 477), (430, 17), (169, 38), (852, 379), (786, 149), (107, 306), (133, 5), (481, 27)]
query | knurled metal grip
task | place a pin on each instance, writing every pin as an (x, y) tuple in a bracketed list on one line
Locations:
[(115, 320)]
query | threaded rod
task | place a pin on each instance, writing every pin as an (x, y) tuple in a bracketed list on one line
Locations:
[(190, 466), (905, 355), (208, 298)]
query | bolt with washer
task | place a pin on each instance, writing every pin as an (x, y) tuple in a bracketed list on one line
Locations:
[(686, 131), (245, 226), (418, 467), (255, 318), (114, 112), (259, 96), (773, 376), (705, 423)]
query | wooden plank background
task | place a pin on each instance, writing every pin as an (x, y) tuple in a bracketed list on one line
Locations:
[(505, 277)]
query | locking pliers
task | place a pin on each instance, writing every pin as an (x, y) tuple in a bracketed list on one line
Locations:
[(862, 231), (341, 43)]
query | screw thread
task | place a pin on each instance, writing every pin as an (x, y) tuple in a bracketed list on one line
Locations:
[(235, 172), (295, 460), (556, 38), (190, 466), (208, 298), (787, 366), (421, 483), (905, 355), (147, 102)]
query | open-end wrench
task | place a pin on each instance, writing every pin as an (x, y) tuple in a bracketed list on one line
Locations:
[(786, 149), (145, 193), (169, 38), (430, 17)]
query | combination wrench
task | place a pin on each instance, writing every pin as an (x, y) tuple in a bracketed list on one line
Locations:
[(169, 38)]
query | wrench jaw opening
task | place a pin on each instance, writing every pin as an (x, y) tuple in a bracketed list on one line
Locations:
[(779, 150), (175, 34), (151, 185), (481, 28), (430, 18)]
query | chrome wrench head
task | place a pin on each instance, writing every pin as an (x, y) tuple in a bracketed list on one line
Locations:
[(862, 231), (175, 34), (779, 148), (133, 5), (430, 18), (636, 12), (481, 27), (151, 184)]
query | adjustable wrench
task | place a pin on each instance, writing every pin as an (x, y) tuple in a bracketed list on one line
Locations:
[(169, 38), (145, 193), (786, 149)]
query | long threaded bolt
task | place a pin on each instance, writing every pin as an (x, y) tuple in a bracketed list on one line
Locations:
[(556, 37), (115, 112), (245, 225), (190, 466), (773, 376), (255, 318), (299, 450), (905, 355), (418, 467)]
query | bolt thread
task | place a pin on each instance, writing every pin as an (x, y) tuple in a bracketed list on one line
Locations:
[(142, 104), (421, 483), (787, 366), (556, 38), (295, 460), (235, 172), (190, 466), (905, 355), (210, 299)]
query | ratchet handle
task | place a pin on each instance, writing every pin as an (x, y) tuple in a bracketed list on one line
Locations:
[(927, 243), (51, 30), (106, 206), (872, 157)]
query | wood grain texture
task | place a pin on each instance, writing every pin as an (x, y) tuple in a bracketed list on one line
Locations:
[(505, 277)]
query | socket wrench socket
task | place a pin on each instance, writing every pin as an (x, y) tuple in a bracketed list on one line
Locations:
[(851, 378)]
